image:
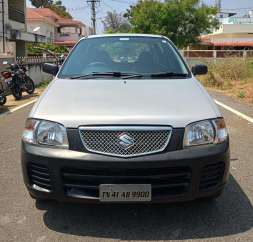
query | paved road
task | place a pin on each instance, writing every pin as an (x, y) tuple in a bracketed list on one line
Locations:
[(230, 218)]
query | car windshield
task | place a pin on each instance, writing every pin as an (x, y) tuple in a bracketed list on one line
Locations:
[(121, 56)]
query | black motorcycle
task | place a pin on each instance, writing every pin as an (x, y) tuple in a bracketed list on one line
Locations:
[(18, 81), (2, 95)]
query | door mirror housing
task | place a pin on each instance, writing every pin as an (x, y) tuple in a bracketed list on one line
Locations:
[(199, 70), (50, 68)]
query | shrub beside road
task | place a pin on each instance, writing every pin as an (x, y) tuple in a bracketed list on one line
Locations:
[(232, 77)]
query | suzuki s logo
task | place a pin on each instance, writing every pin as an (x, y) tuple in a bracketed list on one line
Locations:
[(126, 141)]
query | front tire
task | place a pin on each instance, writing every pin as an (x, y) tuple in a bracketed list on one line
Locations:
[(3, 100), (29, 84), (17, 92)]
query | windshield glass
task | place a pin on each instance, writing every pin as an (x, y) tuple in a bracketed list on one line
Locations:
[(134, 55)]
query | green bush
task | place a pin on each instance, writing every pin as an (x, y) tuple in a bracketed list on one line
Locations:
[(43, 84), (32, 49)]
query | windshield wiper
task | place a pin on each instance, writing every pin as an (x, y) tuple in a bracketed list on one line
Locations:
[(169, 74), (124, 75)]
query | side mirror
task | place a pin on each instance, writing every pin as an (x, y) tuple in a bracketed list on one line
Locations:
[(50, 68), (199, 70)]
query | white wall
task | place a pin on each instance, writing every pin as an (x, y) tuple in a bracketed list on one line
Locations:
[(46, 29), (235, 28)]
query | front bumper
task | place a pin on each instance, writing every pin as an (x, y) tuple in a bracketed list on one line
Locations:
[(180, 175)]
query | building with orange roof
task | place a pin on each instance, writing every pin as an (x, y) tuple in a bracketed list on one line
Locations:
[(61, 31), (39, 24), (235, 32)]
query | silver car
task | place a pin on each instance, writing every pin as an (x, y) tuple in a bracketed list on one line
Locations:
[(125, 120)]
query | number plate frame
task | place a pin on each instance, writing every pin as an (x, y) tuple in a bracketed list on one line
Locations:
[(125, 192)]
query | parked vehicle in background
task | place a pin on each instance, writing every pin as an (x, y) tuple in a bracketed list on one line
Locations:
[(125, 120), (17, 80)]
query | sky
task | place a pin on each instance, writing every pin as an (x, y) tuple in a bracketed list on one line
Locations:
[(80, 10)]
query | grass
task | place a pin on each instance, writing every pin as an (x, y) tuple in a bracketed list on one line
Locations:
[(232, 76), (241, 94), (43, 84)]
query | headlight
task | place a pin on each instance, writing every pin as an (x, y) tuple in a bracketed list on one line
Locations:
[(205, 132), (47, 133)]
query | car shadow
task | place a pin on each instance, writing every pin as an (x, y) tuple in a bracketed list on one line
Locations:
[(230, 214)]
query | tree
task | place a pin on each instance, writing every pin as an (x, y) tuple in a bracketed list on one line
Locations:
[(56, 6), (183, 21), (60, 10), (41, 3), (114, 22)]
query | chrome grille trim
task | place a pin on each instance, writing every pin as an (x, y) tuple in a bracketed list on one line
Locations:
[(121, 152)]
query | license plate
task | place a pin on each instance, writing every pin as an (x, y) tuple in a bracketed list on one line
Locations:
[(125, 192)]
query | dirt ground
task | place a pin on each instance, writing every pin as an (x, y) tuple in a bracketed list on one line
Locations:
[(240, 92), (12, 103)]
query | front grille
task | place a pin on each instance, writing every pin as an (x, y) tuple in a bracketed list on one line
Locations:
[(164, 181), (212, 176), (125, 141), (39, 176)]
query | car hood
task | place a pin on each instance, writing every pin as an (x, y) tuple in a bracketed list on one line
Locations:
[(174, 102)]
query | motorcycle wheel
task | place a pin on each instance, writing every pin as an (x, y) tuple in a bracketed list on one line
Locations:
[(2, 100), (17, 93), (29, 84)]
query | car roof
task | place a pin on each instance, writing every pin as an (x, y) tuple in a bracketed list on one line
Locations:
[(123, 34)]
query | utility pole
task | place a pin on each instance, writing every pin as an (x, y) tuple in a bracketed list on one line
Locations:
[(93, 13), (3, 25)]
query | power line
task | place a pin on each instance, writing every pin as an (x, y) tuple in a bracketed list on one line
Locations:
[(123, 1), (107, 5), (76, 9), (93, 6)]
